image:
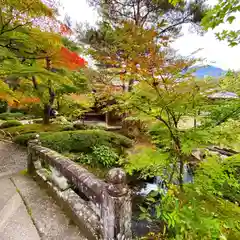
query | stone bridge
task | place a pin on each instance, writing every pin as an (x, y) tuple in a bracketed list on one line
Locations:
[(57, 199)]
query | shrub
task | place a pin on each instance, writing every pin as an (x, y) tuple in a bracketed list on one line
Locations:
[(10, 123), (34, 128), (11, 116), (84, 140), (76, 141), (84, 158), (24, 138), (105, 156)]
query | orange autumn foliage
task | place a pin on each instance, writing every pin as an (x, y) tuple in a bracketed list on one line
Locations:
[(69, 59), (23, 101)]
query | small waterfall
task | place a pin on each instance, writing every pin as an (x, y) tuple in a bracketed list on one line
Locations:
[(159, 183), (187, 174)]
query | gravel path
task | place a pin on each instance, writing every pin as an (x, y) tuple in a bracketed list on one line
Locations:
[(13, 158)]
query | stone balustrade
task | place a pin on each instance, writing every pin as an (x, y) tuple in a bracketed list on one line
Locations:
[(102, 209)]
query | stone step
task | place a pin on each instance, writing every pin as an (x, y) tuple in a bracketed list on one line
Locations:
[(50, 221)]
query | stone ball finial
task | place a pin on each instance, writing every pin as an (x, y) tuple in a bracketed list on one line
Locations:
[(116, 176), (116, 179)]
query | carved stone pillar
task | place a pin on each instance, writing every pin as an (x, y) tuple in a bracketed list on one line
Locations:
[(116, 207)]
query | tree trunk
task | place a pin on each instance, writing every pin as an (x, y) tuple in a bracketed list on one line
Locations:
[(181, 169), (46, 116), (48, 106)]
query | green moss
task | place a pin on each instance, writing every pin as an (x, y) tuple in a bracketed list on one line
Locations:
[(10, 123), (11, 116), (24, 172)]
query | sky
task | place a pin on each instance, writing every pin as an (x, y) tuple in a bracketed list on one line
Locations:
[(215, 52)]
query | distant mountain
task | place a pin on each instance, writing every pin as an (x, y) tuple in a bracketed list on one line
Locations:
[(208, 71)]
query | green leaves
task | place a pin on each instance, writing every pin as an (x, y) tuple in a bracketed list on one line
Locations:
[(149, 162), (207, 209), (231, 19), (105, 156), (222, 12)]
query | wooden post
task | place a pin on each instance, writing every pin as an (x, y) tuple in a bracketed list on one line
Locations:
[(116, 211)]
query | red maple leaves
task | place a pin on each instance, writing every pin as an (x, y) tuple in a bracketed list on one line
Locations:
[(71, 60)]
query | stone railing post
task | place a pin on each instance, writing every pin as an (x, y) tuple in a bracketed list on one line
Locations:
[(31, 154), (116, 211)]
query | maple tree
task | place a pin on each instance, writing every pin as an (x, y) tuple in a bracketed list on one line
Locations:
[(157, 86), (32, 54), (153, 84)]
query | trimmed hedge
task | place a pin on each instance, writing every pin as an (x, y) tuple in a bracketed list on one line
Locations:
[(78, 141), (10, 123), (11, 116), (34, 128), (84, 140)]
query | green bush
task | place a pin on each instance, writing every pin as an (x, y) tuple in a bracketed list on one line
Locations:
[(34, 128), (11, 116), (24, 138), (83, 158), (105, 156), (84, 140), (10, 123), (78, 141)]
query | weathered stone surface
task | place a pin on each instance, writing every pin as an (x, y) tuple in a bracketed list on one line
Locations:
[(106, 210), (82, 179), (49, 219), (12, 158), (15, 222), (78, 209), (116, 179), (58, 179), (116, 209)]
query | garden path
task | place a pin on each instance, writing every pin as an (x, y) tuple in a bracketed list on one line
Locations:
[(26, 210)]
